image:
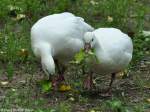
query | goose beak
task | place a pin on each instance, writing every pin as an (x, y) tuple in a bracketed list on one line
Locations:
[(87, 47)]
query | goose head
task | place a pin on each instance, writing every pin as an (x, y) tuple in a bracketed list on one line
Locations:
[(89, 41)]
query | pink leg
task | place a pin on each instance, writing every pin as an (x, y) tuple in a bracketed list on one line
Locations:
[(58, 79), (113, 76), (88, 82), (108, 91)]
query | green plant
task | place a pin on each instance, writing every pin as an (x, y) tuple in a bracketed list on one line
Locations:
[(63, 107), (10, 70), (115, 105), (84, 60), (46, 86)]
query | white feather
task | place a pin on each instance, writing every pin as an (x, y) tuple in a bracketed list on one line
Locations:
[(58, 36), (113, 49)]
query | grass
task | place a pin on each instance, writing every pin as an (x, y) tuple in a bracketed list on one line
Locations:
[(22, 70)]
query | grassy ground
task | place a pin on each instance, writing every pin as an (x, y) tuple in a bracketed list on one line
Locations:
[(20, 71), (131, 93)]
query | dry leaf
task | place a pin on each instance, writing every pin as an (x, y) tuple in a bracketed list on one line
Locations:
[(13, 89), (71, 99), (4, 83), (92, 111), (110, 19), (148, 100), (93, 2), (147, 86), (23, 52), (64, 88), (120, 74), (20, 16)]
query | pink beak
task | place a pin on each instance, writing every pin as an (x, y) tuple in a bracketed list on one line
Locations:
[(87, 47)]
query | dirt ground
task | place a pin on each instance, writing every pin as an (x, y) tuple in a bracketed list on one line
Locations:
[(23, 90)]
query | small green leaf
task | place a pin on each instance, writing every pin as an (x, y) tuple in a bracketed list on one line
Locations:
[(46, 85), (80, 56), (52, 110), (91, 53), (10, 70), (115, 104)]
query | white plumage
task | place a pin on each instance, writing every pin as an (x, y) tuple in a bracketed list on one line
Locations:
[(58, 36), (112, 47)]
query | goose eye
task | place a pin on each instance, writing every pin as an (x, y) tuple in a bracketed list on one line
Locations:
[(92, 39)]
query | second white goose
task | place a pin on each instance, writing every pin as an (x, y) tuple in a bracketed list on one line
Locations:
[(113, 49)]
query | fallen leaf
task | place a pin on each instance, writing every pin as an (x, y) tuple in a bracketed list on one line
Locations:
[(92, 111), (13, 89), (20, 16), (120, 75), (148, 100), (2, 52), (11, 7), (93, 2), (4, 83), (110, 19), (71, 99), (64, 88), (147, 86), (22, 81), (23, 52)]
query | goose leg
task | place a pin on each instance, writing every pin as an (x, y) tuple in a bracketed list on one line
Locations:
[(107, 92), (61, 71), (57, 80), (88, 82), (113, 76), (53, 79)]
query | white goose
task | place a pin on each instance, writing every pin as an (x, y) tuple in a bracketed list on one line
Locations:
[(113, 49), (58, 37)]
